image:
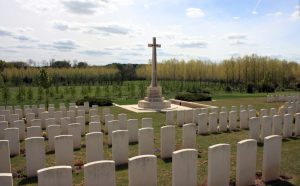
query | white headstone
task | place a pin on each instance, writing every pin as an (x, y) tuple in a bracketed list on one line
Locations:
[(170, 117), (254, 128), (189, 136), (142, 170), (52, 131), (184, 167), (95, 118), (29, 117), (94, 146), (297, 124), (188, 116), (64, 122), (266, 127), (147, 122), (287, 126), (71, 114), (93, 112), (202, 123), (35, 155), (244, 119), (100, 173), (111, 126), (271, 158), (105, 111), (6, 179), (36, 123), (180, 117), (252, 113), (56, 175), (63, 150), (277, 125), (222, 121), (50, 121), (81, 120), (74, 129), (12, 135), (218, 165), (146, 141), (196, 111), (34, 131), (212, 122), (5, 156), (232, 120), (122, 121), (43, 117), (120, 146), (20, 124), (3, 125), (133, 128), (94, 127), (167, 141), (246, 162)]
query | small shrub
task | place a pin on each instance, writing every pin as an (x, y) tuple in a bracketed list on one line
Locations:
[(188, 96), (228, 89), (95, 101)]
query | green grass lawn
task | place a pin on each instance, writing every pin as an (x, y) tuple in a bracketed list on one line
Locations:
[(290, 163)]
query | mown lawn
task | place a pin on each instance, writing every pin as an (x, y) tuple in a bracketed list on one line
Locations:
[(290, 164)]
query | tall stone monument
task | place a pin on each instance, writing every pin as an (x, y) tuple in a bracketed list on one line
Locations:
[(154, 99)]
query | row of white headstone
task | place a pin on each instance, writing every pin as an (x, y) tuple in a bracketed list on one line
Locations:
[(142, 169), (276, 125), (282, 98)]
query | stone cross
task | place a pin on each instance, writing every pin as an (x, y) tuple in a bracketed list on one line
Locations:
[(154, 69)]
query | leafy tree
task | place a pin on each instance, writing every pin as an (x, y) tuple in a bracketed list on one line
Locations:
[(60, 64), (44, 83), (21, 94), (30, 94), (5, 94), (81, 65), (73, 91)]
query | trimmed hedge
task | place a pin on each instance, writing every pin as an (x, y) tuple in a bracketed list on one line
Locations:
[(188, 96), (95, 101)]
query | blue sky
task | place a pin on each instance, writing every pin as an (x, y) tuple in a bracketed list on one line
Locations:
[(105, 31)]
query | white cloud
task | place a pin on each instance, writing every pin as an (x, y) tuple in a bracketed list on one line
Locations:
[(234, 36), (60, 45), (275, 14), (194, 12), (296, 14), (84, 6), (236, 18), (192, 44), (5, 32), (254, 12)]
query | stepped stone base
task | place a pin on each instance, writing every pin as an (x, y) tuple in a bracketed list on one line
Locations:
[(154, 99)]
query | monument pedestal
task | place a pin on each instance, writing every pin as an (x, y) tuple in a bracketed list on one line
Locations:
[(154, 99)]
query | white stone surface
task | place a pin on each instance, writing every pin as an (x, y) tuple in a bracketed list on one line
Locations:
[(266, 127), (43, 117), (74, 129), (188, 116), (146, 141), (81, 120), (246, 162), (100, 173), (50, 121), (147, 122), (271, 158), (86, 106), (56, 175), (111, 126), (133, 128), (12, 135), (94, 146), (94, 127), (95, 118), (184, 167), (29, 117), (202, 123), (170, 117), (105, 111), (13, 117), (3, 125), (6, 179), (297, 124), (120, 146), (35, 155), (223, 121), (218, 165), (189, 136), (71, 114), (232, 118), (81, 113), (287, 126), (254, 128), (64, 122), (180, 117), (5, 157), (252, 113), (20, 124), (93, 112), (52, 131), (142, 170), (34, 131), (63, 150), (212, 122), (167, 141), (58, 115), (244, 119), (277, 125), (122, 121), (36, 123)]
